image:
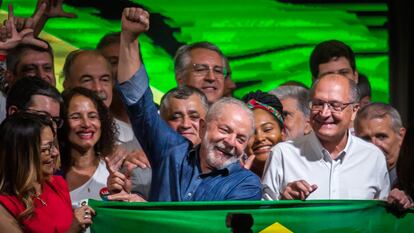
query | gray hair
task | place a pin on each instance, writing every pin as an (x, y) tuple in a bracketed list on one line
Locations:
[(353, 88), (219, 107), (379, 110), (182, 56), (182, 92), (300, 94), (71, 57)]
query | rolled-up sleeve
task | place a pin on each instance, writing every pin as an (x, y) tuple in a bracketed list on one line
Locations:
[(133, 89)]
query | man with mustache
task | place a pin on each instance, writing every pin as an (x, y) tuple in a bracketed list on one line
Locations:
[(328, 163), (181, 173), (184, 108), (91, 70)]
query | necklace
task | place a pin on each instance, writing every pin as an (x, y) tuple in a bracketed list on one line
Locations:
[(37, 196)]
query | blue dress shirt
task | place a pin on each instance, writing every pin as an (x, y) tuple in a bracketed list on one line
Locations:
[(176, 172)]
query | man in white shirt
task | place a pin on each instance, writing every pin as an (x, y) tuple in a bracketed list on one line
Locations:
[(329, 163)]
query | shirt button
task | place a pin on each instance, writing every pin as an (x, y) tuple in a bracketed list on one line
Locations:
[(190, 194)]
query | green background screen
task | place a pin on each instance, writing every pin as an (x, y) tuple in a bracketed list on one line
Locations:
[(267, 42)]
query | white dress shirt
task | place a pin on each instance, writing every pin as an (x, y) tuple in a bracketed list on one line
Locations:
[(359, 172)]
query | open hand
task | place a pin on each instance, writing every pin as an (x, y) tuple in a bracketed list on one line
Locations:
[(10, 37)]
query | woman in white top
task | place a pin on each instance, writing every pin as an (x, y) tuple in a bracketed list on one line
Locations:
[(87, 135)]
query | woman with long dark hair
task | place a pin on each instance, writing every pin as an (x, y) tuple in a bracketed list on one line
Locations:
[(32, 199), (87, 136)]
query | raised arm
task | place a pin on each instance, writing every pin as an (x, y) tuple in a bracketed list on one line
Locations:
[(47, 9), (154, 135), (10, 37), (134, 22)]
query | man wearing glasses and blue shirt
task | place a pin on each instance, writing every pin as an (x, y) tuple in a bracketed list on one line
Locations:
[(329, 163)]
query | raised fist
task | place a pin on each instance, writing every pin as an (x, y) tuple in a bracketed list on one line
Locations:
[(135, 21)]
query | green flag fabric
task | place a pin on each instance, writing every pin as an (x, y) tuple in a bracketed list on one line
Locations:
[(269, 216)]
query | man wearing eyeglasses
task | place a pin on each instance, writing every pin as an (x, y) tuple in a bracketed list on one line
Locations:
[(329, 163), (201, 65)]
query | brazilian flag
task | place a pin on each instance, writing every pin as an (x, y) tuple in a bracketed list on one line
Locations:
[(261, 216)]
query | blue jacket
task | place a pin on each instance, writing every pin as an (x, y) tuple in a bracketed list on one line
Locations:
[(176, 172)]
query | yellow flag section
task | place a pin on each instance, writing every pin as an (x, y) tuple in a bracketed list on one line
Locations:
[(276, 228)]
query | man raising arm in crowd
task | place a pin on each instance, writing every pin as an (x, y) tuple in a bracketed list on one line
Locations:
[(181, 173)]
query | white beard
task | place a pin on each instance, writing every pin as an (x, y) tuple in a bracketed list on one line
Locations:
[(222, 161)]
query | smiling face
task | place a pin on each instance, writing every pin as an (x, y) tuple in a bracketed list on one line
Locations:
[(36, 63), (210, 83), (379, 131), (84, 123), (91, 71), (328, 125), (267, 134), (184, 115), (225, 137), (49, 152)]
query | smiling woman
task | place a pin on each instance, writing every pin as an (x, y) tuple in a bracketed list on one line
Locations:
[(267, 110), (87, 135), (30, 194)]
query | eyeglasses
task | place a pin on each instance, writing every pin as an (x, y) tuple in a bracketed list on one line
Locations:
[(317, 106), (201, 70), (48, 148), (56, 120)]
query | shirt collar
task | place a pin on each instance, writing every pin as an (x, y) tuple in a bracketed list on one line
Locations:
[(322, 153)]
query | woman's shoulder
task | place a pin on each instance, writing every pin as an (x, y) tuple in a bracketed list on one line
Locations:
[(12, 204)]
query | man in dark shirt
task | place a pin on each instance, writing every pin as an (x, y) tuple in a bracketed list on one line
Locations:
[(210, 172)]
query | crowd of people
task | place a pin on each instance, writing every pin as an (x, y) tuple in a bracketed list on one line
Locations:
[(105, 134)]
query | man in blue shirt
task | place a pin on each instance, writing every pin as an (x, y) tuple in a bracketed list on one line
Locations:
[(210, 172)]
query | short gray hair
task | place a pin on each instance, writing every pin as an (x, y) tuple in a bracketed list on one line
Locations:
[(182, 55), (220, 106), (353, 88), (379, 110), (71, 57), (182, 92), (300, 94)]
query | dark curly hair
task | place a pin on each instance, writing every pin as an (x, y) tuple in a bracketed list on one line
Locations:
[(106, 142), (266, 98)]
